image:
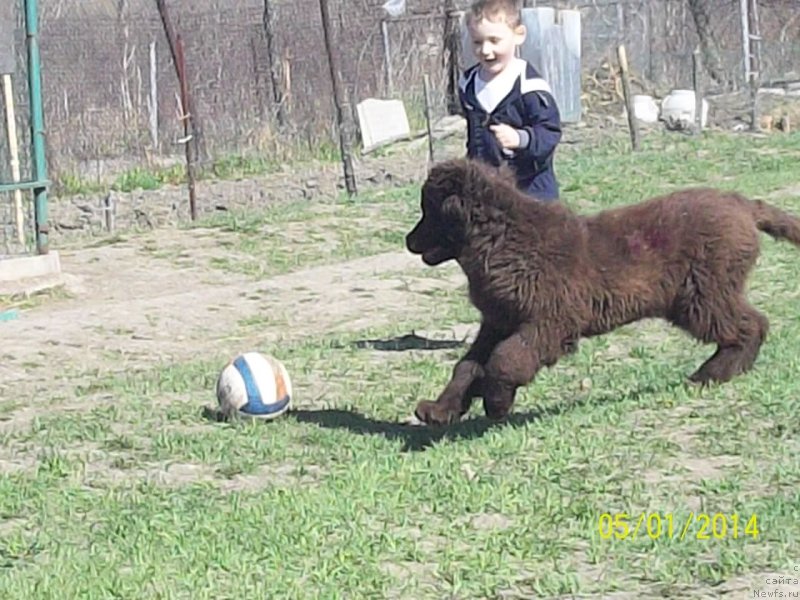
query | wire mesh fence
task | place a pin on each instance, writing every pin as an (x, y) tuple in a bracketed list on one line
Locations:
[(108, 68), (16, 210)]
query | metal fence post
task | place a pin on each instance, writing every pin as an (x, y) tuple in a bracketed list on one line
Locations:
[(37, 126)]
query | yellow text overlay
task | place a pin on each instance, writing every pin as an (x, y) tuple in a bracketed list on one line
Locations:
[(656, 525)]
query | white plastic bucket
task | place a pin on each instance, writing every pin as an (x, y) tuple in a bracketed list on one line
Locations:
[(645, 109), (677, 109)]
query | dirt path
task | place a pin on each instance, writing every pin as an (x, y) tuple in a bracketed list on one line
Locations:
[(125, 306)]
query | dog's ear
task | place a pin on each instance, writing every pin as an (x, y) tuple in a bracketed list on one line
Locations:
[(448, 176), (453, 208)]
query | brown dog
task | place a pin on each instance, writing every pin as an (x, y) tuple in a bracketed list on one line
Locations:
[(543, 277)]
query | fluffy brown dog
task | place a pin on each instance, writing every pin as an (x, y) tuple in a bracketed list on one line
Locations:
[(543, 277)]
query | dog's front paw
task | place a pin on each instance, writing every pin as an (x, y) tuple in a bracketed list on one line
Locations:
[(433, 413), (497, 412)]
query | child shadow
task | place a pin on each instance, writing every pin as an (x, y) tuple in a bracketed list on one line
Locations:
[(409, 341)]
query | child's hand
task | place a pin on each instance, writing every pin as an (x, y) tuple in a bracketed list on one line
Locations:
[(506, 136)]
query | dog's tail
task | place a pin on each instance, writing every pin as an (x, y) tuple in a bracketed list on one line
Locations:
[(776, 222)]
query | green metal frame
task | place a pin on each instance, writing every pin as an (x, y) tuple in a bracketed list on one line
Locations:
[(23, 185), (39, 183)]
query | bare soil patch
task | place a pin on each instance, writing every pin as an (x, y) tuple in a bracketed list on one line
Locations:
[(129, 308)]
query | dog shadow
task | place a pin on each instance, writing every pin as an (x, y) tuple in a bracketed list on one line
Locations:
[(416, 438)]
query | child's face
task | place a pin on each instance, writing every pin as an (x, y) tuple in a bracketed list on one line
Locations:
[(494, 43)]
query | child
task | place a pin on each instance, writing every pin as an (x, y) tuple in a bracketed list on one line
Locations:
[(512, 116)]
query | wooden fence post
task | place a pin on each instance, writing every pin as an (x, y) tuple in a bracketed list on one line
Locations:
[(188, 117), (343, 117), (626, 90), (698, 90)]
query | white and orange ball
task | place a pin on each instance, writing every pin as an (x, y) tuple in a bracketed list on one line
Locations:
[(255, 385)]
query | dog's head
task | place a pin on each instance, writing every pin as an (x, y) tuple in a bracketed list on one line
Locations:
[(457, 196), (440, 233)]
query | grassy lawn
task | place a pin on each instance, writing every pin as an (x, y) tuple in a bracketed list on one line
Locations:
[(136, 495)]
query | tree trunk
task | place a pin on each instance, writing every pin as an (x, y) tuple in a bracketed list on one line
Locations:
[(711, 59), (278, 95)]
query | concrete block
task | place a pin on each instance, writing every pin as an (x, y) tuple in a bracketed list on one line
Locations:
[(382, 121), (29, 274)]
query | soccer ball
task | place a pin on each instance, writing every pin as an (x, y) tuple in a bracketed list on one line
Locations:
[(254, 385)]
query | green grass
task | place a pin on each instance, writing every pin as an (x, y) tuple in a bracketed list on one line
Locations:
[(302, 235), (594, 176), (131, 493), (224, 166), (27, 301)]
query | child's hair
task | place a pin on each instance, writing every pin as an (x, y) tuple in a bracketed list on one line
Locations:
[(492, 9)]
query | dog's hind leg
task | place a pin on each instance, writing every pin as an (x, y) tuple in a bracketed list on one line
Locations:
[(754, 327), (738, 329)]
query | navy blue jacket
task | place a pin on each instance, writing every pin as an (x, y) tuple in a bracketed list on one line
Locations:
[(530, 108)]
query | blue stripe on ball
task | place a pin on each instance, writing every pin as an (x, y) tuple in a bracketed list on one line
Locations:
[(253, 393), (255, 403), (262, 409)]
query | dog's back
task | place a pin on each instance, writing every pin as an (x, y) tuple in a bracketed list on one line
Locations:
[(657, 258), (672, 230), (686, 225)]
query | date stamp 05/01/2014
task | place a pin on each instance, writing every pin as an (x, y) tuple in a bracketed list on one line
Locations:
[(656, 525)]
